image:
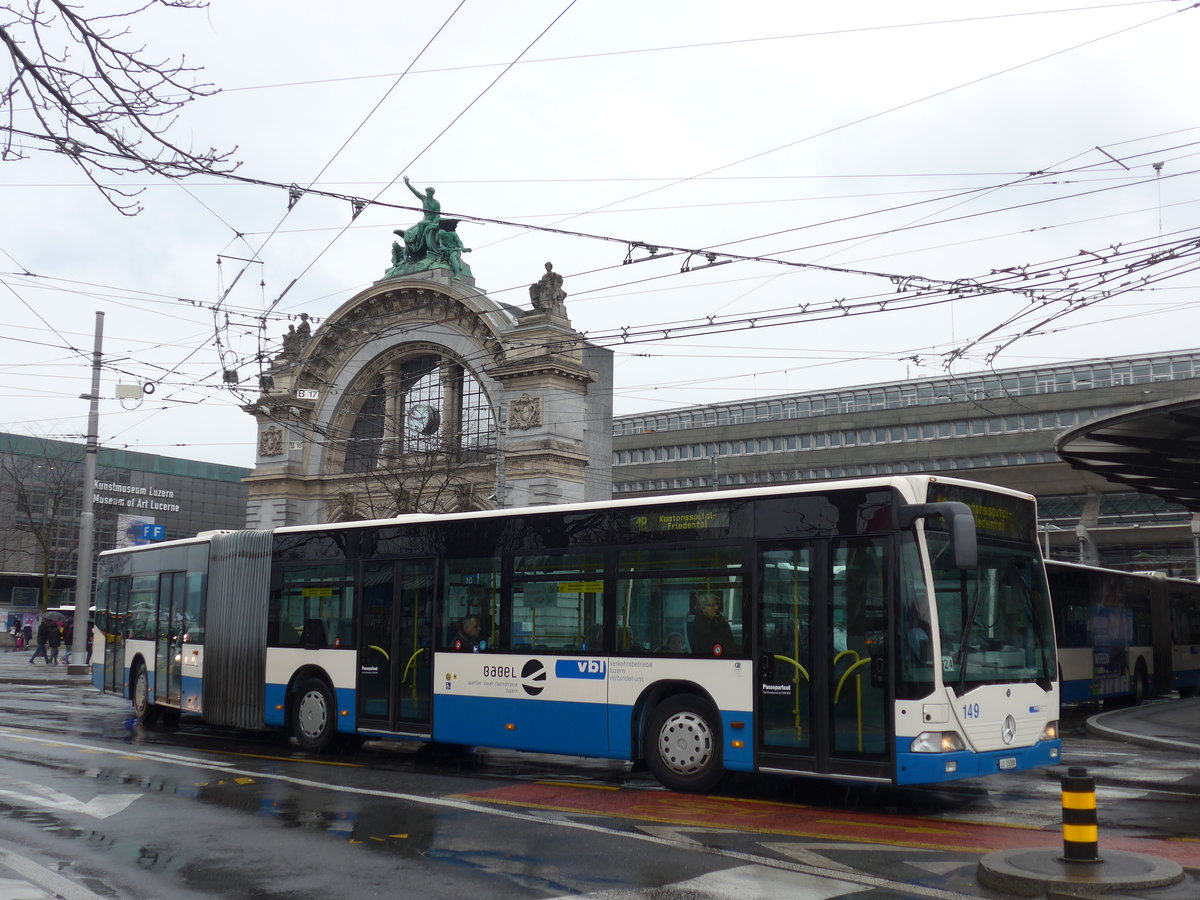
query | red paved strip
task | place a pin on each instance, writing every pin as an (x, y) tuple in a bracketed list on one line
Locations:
[(765, 817)]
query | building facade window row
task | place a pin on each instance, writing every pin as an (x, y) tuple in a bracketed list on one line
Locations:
[(823, 473), (861, 437), (979, 387)]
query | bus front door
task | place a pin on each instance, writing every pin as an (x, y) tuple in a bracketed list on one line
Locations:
[(822, 658), (395, 648)]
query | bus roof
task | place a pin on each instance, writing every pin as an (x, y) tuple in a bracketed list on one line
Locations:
[(912, 487)]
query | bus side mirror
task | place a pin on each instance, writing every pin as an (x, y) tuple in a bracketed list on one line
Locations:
[(960, 522)]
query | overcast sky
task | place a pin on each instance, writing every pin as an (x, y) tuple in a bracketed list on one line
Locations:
[(911, 189)]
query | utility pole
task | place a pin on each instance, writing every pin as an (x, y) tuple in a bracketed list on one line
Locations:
[(87, 516)]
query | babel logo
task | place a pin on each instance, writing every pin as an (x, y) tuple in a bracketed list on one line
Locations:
[(533, 677), (580, 668)]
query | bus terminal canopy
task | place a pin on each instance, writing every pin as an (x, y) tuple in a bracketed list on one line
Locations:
[(1153, 448)]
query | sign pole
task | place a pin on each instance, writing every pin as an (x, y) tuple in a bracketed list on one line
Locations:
[(87, 518)]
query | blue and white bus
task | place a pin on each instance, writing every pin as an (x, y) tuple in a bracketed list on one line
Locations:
[(1124, 635), (892, 630)]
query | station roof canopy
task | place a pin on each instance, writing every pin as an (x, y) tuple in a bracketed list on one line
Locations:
[(1153, 448)]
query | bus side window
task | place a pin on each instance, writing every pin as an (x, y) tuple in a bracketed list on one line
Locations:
[(470, 589)]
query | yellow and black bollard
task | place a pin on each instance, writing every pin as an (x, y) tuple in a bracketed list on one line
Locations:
[(1081, 834)]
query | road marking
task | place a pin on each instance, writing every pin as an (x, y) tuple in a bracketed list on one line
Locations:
[(55, 884), (100, 807), (676, 835), (941, 866), (806, 854), (18, 889), (752, 882)]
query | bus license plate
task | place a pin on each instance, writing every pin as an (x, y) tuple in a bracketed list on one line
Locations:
[(1008, 762)]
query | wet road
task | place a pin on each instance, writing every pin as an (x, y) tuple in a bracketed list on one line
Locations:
[(114, 810)]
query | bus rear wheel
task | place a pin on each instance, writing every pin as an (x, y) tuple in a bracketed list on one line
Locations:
[(1141, 683), (313, 716), (683, 745), (145, 710)]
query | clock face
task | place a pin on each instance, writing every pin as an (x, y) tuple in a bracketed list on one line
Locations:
[(422, 419)]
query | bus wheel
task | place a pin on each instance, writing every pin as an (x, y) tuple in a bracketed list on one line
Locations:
[(1140, 684), (682, 746), (313, 721), (145, 710)]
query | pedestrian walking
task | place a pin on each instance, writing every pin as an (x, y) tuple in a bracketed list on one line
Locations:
[(43, 636), (54, 641), (68, 635)]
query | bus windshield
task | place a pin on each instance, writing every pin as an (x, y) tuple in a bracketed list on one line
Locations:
[(994, 621)]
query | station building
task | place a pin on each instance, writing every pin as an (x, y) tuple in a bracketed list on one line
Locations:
[(997, 426), (138, 497)]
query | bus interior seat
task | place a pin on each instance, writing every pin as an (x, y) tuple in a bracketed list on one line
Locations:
[(313, 635)]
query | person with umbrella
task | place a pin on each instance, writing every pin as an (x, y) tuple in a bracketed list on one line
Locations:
[(54, 640), (43, 638), (68, 636)]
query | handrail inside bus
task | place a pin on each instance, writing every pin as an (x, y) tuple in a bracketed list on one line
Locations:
[(800, 670), (858, 690), (412, 662)]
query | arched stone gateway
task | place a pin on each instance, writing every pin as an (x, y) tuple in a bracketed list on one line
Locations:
[(421, 394)]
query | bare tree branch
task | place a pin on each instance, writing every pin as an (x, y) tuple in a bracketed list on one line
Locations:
[(78, 88), (39, 508)]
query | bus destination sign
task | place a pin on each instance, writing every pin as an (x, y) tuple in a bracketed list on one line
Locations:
[(662, 520)]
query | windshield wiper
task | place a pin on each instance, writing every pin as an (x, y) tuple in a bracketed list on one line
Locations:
[(1038, 633), (968, 624)]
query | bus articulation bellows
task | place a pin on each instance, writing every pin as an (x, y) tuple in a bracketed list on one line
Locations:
[(893, 630)]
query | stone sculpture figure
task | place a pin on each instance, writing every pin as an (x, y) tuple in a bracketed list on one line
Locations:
[(547, 294)]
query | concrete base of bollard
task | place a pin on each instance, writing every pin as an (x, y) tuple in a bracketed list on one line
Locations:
[(1037, 872)]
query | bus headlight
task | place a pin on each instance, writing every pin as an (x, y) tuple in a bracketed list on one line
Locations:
[(1050, 732), (937, 742)]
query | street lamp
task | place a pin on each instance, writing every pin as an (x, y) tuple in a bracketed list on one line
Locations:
[(1045, 528)]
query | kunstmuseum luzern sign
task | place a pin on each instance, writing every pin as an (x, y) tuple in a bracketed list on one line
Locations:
[(133, 496)]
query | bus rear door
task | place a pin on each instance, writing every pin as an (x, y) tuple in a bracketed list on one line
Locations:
[(172, 592)]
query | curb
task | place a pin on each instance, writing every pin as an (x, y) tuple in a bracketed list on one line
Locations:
[(1094, 726), (1037, 872)]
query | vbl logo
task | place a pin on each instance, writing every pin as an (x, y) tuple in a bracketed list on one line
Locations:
[(580, 668)]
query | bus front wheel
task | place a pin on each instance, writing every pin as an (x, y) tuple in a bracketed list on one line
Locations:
[(313, 716), (683, 745), (145, 710)]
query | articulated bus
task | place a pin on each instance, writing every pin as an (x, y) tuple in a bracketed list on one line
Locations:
[(893, 630), (1124, 635)]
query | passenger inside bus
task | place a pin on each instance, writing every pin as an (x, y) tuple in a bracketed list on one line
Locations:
[(674, 643), (467, 634), (709, 633)]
